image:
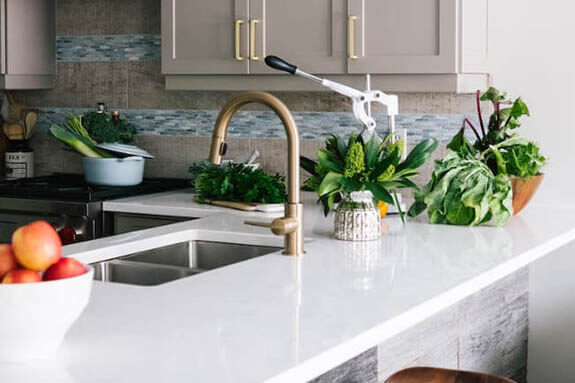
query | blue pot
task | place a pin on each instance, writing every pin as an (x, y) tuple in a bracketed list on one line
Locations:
[(127, 171)]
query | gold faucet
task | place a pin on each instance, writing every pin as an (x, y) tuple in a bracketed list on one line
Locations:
[(291, 225)]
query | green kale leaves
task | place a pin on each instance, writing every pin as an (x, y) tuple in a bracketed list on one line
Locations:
[(103, 128)]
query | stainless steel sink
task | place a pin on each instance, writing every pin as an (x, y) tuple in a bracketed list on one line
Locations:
[(157, 266), (136, 273)]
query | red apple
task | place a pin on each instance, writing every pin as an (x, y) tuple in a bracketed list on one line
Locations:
[(37, 246), (64, 268), (22, 276), (7, 260)]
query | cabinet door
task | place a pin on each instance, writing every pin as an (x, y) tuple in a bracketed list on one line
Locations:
[(30, 37), (204, 37), (308, 33), (402, 36), (2, 37)]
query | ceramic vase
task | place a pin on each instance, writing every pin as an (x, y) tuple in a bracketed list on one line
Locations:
[(357, 218)]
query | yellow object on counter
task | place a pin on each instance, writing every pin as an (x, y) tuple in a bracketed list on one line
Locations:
[(383, 207)]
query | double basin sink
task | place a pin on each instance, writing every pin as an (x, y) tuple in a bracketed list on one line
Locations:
[(157, 266)]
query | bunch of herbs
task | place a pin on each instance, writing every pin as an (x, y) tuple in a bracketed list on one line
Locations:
[(237, 183)]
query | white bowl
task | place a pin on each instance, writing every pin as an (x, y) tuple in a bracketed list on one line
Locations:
[(34, 317)]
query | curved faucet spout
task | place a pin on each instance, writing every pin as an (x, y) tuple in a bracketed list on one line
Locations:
[(292, 224)]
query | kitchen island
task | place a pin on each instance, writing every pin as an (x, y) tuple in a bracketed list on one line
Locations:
[(283, 319)]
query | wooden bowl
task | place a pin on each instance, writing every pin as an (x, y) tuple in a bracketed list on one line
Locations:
[(523, 190)]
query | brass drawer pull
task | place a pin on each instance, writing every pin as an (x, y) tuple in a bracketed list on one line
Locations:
[(253, 24), (238, 55), (351, 37)]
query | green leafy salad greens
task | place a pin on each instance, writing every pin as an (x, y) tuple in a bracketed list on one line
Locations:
[(472, 184), (355, 165), (236, 183)]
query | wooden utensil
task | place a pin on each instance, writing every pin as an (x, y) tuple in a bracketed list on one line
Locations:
[(233, 205), (14, 131), (30, 120), (245, 206), (16, 112)]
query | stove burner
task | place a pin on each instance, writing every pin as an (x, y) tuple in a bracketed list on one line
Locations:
[(72, 187)]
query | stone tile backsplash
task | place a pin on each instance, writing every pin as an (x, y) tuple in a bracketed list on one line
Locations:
[(264, 124), (249, 123)]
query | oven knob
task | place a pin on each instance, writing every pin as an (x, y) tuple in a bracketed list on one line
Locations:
[(67, 235)]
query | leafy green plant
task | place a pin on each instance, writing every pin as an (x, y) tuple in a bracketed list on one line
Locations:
[(472, 184), (464, 191), (237, 183), (198, 168), (75, 136), (343, 167), (103, 128), (522, 158)]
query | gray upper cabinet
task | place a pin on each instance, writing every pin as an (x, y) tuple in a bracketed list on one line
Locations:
[(402, 36), (205, 37), (309, 33), (407, 45), (27, 44)]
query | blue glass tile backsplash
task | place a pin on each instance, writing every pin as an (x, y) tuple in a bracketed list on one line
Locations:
[(263, 124)]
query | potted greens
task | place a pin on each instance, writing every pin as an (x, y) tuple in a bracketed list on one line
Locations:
[(489, 180), (106, 160), (355, 173)]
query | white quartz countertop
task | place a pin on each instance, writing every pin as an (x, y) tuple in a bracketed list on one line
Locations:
[(278, 318), (178, 203)]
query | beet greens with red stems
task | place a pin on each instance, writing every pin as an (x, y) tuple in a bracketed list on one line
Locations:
[(472, 184), (521, 157)]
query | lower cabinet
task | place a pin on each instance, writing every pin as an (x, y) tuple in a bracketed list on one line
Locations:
[(126, 223)]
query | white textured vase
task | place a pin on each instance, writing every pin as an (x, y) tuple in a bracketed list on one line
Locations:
[(357, 218)]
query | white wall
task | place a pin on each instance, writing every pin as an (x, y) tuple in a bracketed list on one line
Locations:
[(532, 51)]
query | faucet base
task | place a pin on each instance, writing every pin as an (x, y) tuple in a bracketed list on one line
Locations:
[(294, 240)]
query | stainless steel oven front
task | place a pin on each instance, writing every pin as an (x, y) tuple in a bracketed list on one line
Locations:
[(85, 219)]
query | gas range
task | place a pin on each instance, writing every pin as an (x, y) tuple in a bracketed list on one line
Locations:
[(73, 207)]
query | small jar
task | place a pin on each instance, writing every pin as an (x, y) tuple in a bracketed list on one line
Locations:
[(357, 218), (19, 160)]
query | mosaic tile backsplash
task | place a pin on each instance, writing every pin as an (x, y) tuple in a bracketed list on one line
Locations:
[(108, 48), (264, 124)]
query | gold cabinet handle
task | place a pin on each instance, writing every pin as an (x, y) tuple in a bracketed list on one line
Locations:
[(351, 37), (253, 24), (238, 44)]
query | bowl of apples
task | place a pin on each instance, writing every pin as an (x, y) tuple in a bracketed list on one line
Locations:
[(41, 293)]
